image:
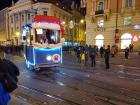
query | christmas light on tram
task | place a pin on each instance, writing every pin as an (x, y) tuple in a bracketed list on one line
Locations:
[(43, 41)]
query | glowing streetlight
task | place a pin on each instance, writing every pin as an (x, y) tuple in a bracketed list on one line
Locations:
[(63, 22), (17, 34), (81, 21)]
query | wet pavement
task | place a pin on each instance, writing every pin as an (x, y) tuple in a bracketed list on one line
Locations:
[(73, 84)]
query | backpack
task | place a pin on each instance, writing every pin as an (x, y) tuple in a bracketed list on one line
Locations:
[(10, 72)]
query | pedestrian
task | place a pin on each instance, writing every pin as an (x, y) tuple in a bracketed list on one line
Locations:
[(93, 53), (126, 51), (8, 52), (131, 47), (82, 59), (101, 51), (8, 80), (86, 58), (79, 54), (106, 56), (113, 51)]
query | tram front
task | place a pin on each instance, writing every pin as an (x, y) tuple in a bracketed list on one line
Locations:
[(43, 41)]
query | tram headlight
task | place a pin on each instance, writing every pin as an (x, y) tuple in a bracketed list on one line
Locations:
[(49, 58)]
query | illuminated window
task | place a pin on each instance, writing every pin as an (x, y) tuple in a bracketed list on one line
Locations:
[(127, 21), (126, 40), (128, 3), (99, 40), (101, 23), (100, 6)]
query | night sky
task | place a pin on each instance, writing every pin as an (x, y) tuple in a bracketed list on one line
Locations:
[(5, 3)]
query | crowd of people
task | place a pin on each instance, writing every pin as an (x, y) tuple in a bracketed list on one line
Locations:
[(89, 53), (10, 50), (86, 53)]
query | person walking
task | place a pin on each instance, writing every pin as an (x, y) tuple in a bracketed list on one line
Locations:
[(82, 59), (93, 53), (113, 51), (101, 51), (106, 56), (126, 51), (86, 58), (79, 54)]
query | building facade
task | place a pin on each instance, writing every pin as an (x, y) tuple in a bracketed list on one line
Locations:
[(3, 25), (13, 19), (24, 11), (113, 22)]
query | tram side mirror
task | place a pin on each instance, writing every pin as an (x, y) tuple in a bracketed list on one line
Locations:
[(24, 37)]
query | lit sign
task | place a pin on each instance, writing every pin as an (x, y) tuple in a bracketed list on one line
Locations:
[(139, 37), (135, 39), (39, 31)]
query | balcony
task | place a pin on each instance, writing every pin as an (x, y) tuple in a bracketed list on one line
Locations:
[(99, 12)]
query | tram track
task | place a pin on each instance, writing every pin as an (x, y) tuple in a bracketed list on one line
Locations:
[(105, 86), (87, 78), (108, 99), (97, 97), (47, 94)]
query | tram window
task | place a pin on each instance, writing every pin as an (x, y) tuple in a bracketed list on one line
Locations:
[(48, 36), (53, 37)]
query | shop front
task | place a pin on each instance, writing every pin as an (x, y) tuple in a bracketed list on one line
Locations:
[(99, 40), (126, 40)]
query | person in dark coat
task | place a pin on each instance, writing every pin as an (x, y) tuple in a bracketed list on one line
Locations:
[(126, 52), (106, 56), (93, 54), (79, 54), (8, 80), (101, 51)]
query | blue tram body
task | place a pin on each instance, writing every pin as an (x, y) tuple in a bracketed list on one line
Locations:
[(42, 42), (43, 57)]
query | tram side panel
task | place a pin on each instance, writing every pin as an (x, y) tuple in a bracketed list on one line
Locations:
[(29, 55)]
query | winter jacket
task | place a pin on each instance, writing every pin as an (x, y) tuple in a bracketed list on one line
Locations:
[(4, 96)]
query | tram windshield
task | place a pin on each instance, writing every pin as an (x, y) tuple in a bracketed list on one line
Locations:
[(47, 36)]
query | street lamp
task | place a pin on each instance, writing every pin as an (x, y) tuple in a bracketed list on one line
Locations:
[(17, 34), (116, 30), (63, 22), (82, 21)]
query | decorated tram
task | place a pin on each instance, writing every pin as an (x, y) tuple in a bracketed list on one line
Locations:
[(42, 42)]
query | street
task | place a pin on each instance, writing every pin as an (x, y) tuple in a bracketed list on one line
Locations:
[(72, 85)]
